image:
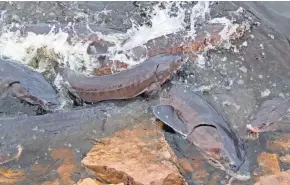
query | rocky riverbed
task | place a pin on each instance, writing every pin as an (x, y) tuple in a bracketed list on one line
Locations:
[(235, 69)]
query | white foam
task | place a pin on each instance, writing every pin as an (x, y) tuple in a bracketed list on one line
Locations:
[(265, 93), (162, 24), (201, 9), (229, 28), (74, 55), (24, 49)]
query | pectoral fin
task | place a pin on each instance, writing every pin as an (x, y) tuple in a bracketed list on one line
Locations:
[(168, 115)]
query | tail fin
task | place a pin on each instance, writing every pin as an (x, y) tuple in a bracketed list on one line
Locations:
[(168, 115)]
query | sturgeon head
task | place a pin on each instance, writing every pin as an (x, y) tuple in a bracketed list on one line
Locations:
[(197, 121)]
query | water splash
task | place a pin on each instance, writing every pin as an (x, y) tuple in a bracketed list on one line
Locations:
[(162, 24), (74, 55)]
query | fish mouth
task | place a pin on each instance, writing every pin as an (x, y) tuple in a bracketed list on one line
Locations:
[(263, 128), (49, 106), (253, 129), (239, 175)]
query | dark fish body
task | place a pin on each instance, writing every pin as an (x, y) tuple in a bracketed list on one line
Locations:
[(270, 113), (176, 43), (26, 84), (38, 135), (187, 113), (145, 77)]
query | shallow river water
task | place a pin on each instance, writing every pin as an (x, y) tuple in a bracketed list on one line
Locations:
[(236, 77)]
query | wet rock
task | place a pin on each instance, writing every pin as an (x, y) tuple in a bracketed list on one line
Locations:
[(279, 143), (6, 158), (55, 182), (193, 165), (89, 181), (285, 159), (200, 171), (138, 156), (68, 166), (45, 171), (11, 176), (186, 165), (268, 163), (280, 178), (215, 179)]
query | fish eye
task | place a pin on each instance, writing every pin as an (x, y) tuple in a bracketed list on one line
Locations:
[(233, 167), (264, 124)]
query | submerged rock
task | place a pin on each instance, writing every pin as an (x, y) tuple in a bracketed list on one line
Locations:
[(138, 156)]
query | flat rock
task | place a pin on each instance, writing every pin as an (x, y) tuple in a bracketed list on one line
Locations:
[(137, 156), (280, 178), (269, 163), (11, 176), (285, 158), (279, 143), (89, 181)]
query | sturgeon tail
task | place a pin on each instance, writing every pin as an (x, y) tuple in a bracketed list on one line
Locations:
[(168, 115)]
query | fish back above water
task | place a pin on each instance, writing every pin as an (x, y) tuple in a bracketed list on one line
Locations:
[(128, 83), (169, 115), (269, 114), (179, 43), (33, 82), (195, 112)]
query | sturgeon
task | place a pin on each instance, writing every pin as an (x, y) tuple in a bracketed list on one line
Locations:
[(198, 121), (146, 77)]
